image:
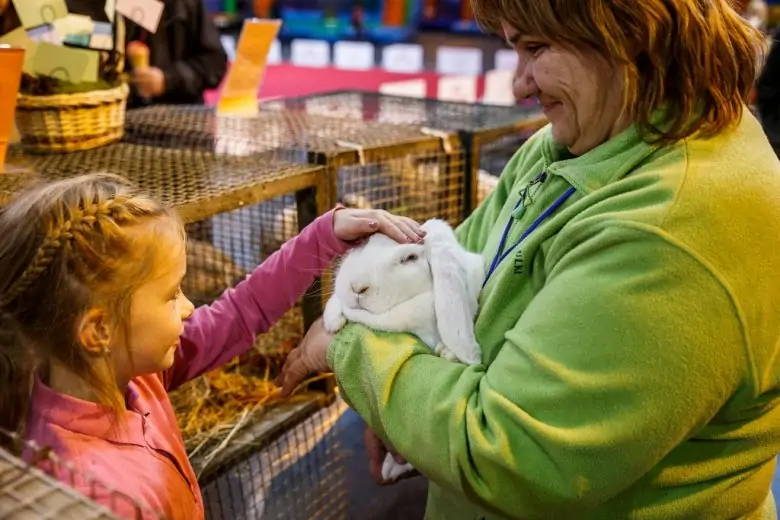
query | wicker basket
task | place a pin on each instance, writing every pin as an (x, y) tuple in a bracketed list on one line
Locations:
[(71, 122)]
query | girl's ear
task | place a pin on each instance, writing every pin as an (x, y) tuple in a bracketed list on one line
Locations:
[(93, 332)]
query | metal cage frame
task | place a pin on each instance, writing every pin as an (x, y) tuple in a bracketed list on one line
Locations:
[(471, 127), (33, 487), (333, 143)]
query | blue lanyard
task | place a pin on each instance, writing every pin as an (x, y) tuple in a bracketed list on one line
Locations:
[(501, 254)]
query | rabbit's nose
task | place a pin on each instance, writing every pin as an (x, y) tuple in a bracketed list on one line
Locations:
[(360, 289)]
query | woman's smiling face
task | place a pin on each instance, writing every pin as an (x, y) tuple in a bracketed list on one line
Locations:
[(580, 92)]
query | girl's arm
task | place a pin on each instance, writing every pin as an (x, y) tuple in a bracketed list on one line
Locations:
[(217, 333)]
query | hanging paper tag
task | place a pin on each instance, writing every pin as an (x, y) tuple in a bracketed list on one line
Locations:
[(146, 13), (33, 13), (65, 63)]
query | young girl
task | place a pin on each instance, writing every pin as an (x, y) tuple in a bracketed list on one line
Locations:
[(90, 274)]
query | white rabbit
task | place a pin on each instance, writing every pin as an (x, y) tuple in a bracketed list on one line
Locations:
[(430, 290)]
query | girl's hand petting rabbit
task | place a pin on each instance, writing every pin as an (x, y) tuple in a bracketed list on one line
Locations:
[(349, 225), (355, 224)]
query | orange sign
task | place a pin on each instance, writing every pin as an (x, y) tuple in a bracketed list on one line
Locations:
[(11, 60), (239, 94)]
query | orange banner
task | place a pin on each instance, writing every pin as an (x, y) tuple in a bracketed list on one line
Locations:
[(11, 60), (239, 94)]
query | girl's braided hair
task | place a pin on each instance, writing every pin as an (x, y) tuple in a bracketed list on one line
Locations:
[(66, 246)]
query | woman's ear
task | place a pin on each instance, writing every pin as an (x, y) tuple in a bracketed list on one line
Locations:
[(93, 332)]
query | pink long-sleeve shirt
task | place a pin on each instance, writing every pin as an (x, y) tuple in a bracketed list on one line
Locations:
[(145, 460)]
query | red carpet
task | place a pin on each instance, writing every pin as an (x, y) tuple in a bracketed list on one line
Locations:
[(287, 80)]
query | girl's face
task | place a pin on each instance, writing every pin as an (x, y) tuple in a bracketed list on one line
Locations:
[(158, 309)]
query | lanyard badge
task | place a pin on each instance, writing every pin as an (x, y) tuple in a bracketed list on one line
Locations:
[(526, 198)]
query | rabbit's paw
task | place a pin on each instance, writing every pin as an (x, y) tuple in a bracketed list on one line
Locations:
[(443, 352), (332, 318), (391, 470)]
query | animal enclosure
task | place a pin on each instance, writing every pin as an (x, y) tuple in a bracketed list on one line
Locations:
[(485, 137), (231, 414), (394, 167)]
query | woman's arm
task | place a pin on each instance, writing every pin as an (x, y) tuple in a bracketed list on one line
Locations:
[(217, 333), (630, 347)]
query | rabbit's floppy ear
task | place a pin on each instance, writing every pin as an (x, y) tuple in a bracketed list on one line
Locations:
[(454, 295)]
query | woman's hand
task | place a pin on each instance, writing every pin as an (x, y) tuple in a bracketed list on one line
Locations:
[(377, 451), (355, 224), (307, 358)]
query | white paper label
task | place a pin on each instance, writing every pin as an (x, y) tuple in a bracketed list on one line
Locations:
[(458, 88), (416, 88), (505, 59), (146, 13), (353, 55), (310, 53), (459, 61), (402, 57), (498, 88)]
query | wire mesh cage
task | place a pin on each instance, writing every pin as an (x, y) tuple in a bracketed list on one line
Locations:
[(230, 203), (299, 474), (295, 470), (36, 484), (367, 164), (488, 135)]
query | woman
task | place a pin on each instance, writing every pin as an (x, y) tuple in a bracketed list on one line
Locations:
[(630, 343)]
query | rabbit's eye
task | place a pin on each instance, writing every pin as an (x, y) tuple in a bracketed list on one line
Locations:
[(409, 258)]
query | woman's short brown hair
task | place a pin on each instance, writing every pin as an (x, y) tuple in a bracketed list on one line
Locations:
[(687, 55)]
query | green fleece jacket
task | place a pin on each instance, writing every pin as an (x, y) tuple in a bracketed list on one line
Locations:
[(631, 363)]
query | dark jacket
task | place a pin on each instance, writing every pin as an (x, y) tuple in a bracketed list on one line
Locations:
[(768, 94), (186, 47)]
